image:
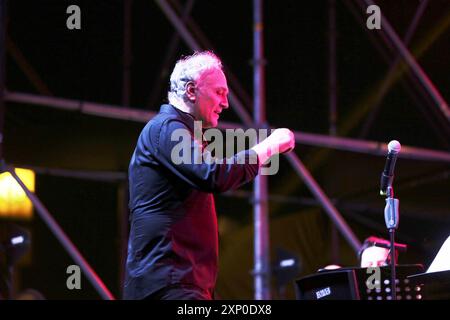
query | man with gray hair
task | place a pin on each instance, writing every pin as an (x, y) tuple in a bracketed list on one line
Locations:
[(173, 243)]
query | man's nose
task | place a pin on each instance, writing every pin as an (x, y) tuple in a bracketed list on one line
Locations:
[(224, 103)]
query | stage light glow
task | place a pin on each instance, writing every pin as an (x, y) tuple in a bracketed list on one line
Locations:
[(17, 240), (287, 263), (13, 201)]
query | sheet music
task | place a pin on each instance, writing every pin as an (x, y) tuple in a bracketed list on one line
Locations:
[(442, 260)]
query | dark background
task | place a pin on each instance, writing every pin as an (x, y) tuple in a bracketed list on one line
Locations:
[(87, 65)]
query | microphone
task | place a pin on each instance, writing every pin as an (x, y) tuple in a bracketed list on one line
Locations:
[(388, 173)]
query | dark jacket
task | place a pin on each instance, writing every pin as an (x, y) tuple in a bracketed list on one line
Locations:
[(173, 235)]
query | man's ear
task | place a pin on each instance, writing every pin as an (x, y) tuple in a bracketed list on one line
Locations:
[(190, 91)]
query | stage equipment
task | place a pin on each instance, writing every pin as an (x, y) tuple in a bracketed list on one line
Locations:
[(436, 281), (360, 284), (391, 214)]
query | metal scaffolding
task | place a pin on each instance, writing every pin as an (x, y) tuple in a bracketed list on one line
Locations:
[(59, 233), (392, 38)]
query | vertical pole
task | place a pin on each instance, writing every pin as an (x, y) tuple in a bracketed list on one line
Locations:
[(332, 66), (122, 217), (2, 71), (260, 212), (332, 89), (126, 52)]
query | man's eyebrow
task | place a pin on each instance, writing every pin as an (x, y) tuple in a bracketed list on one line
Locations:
[(223, 89)]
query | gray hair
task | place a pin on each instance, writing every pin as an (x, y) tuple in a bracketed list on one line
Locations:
[(190, 68)]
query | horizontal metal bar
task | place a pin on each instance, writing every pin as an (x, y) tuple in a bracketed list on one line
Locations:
[(369, 147), (91, 108), (319, 140), (105, 176)]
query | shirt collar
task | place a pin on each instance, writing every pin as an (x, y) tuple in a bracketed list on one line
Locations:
[(170, 109), (186, 117)]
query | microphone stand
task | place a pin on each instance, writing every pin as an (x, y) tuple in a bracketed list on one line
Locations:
[(391, 217)]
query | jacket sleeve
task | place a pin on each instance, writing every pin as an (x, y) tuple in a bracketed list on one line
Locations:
[(179, 152)]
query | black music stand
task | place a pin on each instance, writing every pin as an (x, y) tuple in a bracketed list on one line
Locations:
[(350, 284), (436, 285)]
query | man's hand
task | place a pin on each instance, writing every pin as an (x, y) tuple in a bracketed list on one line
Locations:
[(280, 141)]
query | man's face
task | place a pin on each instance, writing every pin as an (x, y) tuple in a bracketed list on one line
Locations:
[(374, 257), (210, 93)]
